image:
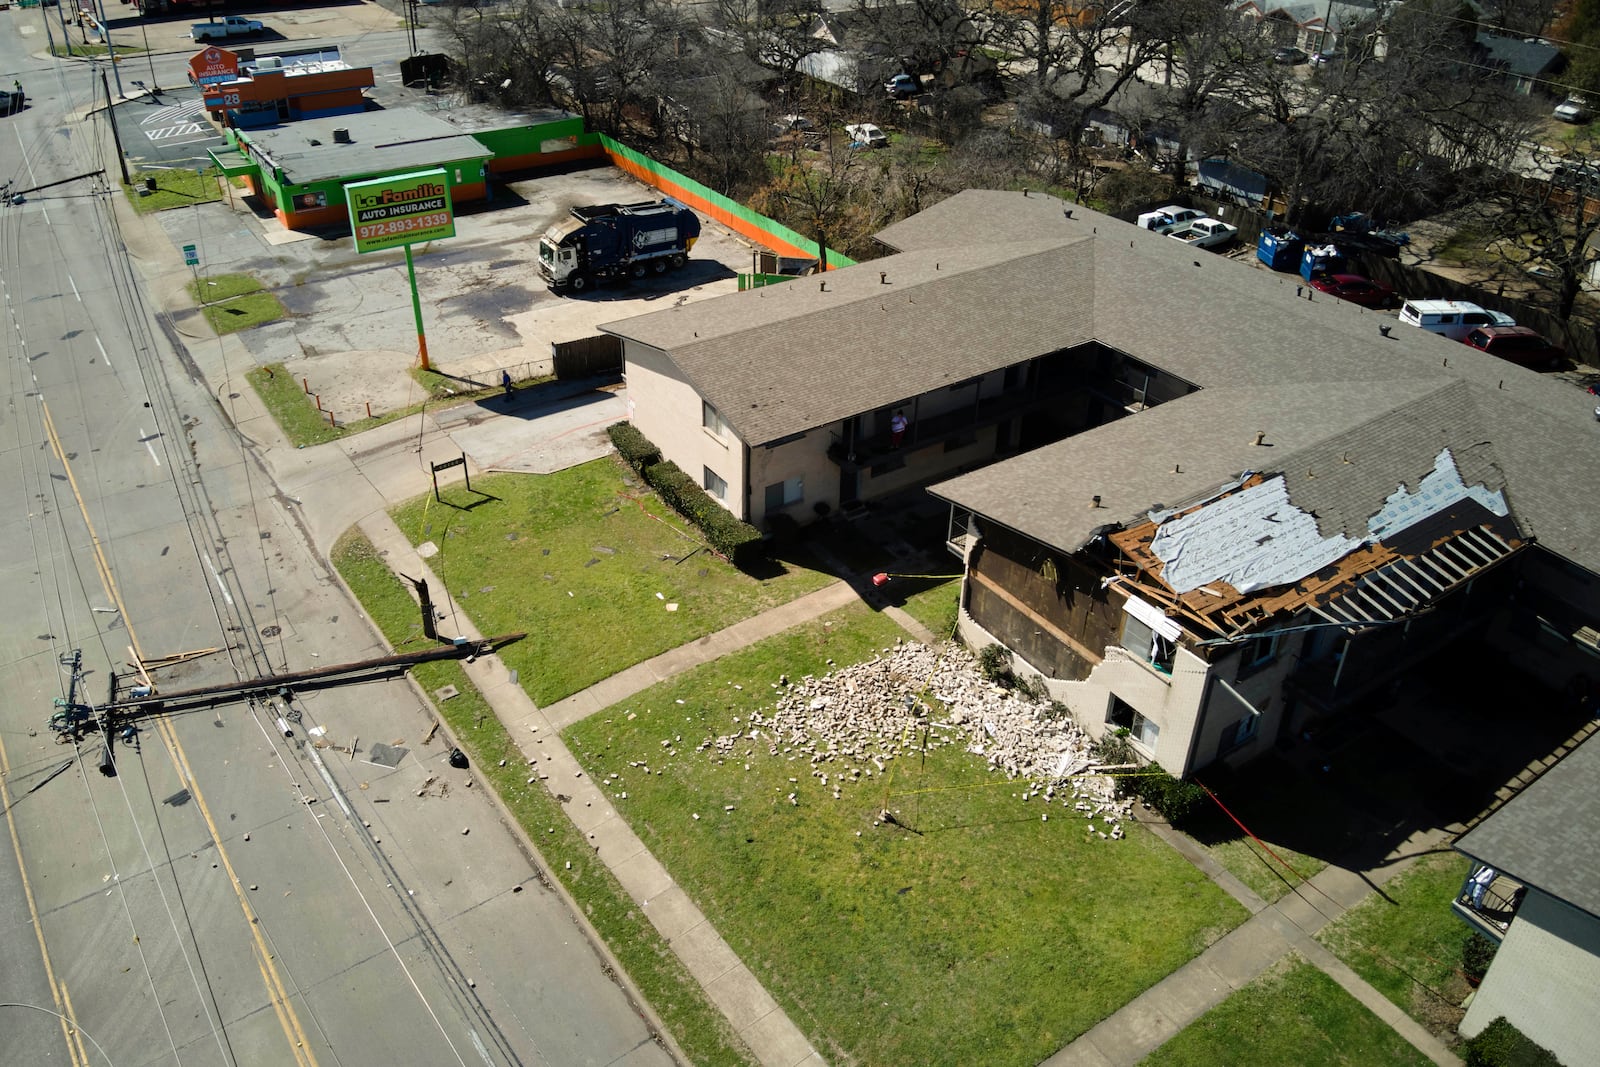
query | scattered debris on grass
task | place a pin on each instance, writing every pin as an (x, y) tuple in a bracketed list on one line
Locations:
[(851, 723)]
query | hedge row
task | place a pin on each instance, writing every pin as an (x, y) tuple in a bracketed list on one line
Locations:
[(739, 541), (1503, 1045), (635, 448)]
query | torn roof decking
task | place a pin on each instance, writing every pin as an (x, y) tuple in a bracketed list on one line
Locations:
[(1379, 581)]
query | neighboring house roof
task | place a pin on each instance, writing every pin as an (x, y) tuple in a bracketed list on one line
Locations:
[(380, 142), (1526, 58), (1544, 836), (787, 358), (1308, 12)]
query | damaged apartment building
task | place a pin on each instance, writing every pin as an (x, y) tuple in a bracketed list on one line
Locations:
[(1201, 502)]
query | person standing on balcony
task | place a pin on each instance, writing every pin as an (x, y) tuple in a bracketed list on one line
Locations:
[(897, 428)]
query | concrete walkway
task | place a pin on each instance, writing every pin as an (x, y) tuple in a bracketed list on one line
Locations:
[(1274, 930)]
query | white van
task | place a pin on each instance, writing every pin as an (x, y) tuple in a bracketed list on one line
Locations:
[(1451, 318), (866, 135)]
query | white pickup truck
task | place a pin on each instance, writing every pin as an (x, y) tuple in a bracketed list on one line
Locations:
[(232, 26), (1169, 218), (1205, 233)]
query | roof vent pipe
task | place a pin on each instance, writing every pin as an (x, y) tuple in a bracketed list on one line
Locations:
[(1261, 438), (1094, 501), (883, 277), (341, 136)]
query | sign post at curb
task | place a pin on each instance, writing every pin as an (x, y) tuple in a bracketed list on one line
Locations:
[(402, 210)]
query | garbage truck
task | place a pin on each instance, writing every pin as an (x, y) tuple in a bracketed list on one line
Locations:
[(605, 241)]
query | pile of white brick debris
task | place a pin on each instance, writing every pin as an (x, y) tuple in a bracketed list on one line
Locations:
[(851, 723)]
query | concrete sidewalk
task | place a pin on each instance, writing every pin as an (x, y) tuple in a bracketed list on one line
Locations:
[(1290, 924)]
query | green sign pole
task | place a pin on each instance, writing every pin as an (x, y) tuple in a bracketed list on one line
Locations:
[(402, 210), (416, 309)]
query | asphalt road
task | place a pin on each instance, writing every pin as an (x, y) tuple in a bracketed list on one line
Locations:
[(257, 884)]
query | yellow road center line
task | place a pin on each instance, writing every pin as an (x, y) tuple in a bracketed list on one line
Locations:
[(77, 1031), (33, 908), (276, 990)]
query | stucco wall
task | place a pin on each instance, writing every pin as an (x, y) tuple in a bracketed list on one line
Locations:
[(1545, 980), (806, 459), (667, 410)]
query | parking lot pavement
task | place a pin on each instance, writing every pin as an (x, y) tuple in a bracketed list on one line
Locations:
[(350, 331)]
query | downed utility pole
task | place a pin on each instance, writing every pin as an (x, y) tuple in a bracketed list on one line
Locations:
[(75, 719)]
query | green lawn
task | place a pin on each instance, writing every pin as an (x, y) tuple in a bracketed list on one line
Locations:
[(1294, 1014), (988, 936), (175, 187), (232, 302), (590, 564), (1408, 946), (934, 604), (1288, 814), (699, 1028)]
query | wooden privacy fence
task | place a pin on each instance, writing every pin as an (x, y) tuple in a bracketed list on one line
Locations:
[(587, 357)]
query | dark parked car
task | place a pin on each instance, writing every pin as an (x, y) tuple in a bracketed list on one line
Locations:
[(11, 103), (1518, 344), (1289, 55), (1354, 288)]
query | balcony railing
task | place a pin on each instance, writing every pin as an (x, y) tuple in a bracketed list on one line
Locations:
[(875, 449), (1490, 912)]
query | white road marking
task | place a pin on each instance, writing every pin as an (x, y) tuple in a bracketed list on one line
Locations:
[(213, 568), (151, 449), (181, 130), (74, 287), (107, 358)]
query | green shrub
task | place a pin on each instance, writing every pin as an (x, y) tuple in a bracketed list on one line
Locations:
[(634, 447), (739, 541), (1477, 952), (994, 663), (1503, 1045), (1172, 798)]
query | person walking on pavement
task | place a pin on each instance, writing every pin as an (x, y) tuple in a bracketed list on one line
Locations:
[(505, 383)]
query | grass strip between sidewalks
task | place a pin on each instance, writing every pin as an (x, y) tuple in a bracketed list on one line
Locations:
[(1419, 964), (175, 187), (701, 1031), (1292, 1014)]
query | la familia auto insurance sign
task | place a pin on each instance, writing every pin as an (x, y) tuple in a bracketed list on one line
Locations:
[(400, 210)]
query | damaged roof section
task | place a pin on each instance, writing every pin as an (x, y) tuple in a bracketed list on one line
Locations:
[(1255, 553)]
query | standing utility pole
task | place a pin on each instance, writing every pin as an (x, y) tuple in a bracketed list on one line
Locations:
[(116, 138)]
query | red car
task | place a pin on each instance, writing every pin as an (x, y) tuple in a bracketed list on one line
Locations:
[(1518, 344), (1354, 288)]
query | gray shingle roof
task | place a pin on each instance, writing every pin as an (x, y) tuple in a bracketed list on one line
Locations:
[(1525, 57), (1544, 836), (988, 278), (381, 141), (794, 356), (1305, 371)]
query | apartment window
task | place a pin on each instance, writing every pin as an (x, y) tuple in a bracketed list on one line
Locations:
[(1258, 653), (1239, 733), (714, 484), (781, 494), (1139, 636), (1139, 728), (711, 420)]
